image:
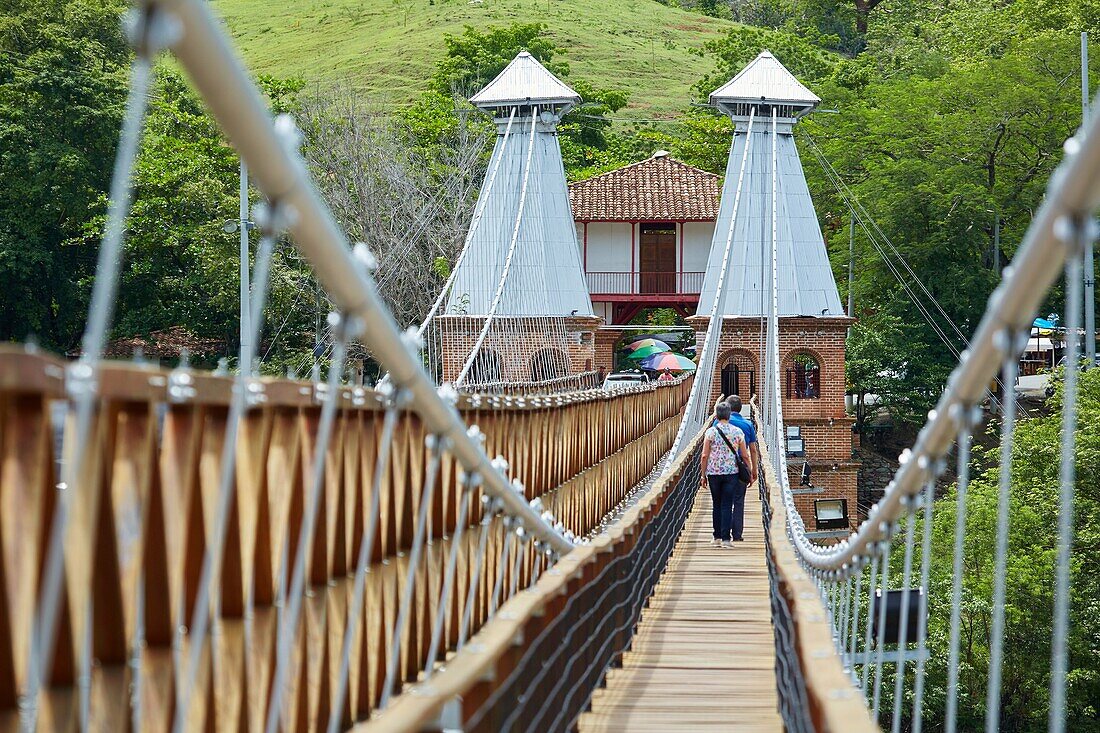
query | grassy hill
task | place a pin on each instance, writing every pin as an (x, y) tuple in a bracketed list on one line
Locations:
[(388, 48)]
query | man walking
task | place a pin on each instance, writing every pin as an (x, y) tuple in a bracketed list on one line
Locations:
[(723, 443), (738, 527)]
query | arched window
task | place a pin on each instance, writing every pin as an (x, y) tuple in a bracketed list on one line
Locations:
[(486, 367), (803, 377), (738, 374), (547, 364)]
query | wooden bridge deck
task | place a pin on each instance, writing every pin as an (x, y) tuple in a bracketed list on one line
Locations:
[(704, 654)]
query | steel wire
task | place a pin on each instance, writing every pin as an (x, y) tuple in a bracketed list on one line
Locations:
[(288, 627), (1059, 662)]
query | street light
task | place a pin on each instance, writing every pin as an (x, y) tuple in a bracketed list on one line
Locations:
[(232, 225), (831, 513), (244, 226)]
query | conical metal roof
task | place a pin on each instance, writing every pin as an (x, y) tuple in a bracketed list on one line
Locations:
[(765, 79), (524, 210), (525, 81), (805, 279)]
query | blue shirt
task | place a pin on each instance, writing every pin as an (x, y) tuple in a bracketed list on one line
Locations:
[(746, 427)]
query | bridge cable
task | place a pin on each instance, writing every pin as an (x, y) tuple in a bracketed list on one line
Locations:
[(82, 376), (850, 657), (929, 500), (903, 624), (489, 509), (508, 258), (693, 417), (863, 217), (880, 635), (296, 592), (868, 623), (1056, 721), (394, 401), (468, 487), (213, 556), (435, 448), (1004, 494), (475, 221), (967, 418)]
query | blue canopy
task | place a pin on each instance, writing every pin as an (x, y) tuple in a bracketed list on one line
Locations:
[(1042, 323)]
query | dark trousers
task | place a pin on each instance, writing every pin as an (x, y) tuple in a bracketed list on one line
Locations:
[(738, 525), (723, 488)]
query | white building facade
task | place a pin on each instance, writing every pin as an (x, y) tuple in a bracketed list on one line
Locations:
[(644, 233)]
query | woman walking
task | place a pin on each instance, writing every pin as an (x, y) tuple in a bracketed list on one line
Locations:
[(723, 445)]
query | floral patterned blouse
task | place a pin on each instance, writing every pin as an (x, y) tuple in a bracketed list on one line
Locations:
[(722, 460)]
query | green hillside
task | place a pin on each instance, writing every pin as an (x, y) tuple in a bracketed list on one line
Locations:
[(388, 48)]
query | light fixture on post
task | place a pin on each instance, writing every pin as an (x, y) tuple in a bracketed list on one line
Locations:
[(804, 485), (831, 513), (232, 226), (892, 628)]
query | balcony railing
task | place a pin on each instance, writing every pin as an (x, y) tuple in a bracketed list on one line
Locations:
[(645, 283)]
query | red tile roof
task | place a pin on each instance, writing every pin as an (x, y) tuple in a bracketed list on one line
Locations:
[(657, 189)]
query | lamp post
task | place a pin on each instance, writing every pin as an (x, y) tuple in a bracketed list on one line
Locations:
[(1089, 266), (243, 225)]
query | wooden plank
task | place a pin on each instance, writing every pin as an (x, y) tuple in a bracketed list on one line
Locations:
[(703, 657)]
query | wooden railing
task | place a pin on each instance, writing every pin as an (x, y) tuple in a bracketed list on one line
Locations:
[(636, 283), (142, 516), (534, 666), (572, 383), (813, 682)]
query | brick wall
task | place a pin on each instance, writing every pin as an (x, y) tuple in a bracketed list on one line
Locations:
[(513, 343), (825, 427), (606, 338)]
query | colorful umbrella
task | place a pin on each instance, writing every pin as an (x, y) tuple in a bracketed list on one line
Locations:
[(673, 362), (641, 343), (646, 351)]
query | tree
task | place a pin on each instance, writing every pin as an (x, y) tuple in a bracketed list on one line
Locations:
[(411, 201), (876, 366), (179, 267), (934, 155), (863, 10), (1034, 511), (476, 57), (62, 87), (738, 47)]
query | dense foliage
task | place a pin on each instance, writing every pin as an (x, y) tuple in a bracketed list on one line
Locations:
[(1029, 606), (62, 86)]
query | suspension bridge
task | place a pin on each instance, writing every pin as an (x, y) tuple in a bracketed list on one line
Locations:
[(483, 540)]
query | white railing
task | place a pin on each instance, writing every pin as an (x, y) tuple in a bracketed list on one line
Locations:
[(1055, 242)]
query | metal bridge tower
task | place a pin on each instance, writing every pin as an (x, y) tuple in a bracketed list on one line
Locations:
[(518, 309), (765, 199)]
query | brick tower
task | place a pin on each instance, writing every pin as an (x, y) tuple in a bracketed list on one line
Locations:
[(812, 322)]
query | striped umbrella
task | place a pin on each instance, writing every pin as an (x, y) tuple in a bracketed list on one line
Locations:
[(641, 343), (672, 362), (646, 351)]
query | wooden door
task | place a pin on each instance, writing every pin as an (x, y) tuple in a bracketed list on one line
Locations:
[(657, 258)]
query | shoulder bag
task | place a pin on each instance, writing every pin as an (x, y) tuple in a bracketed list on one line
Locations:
[(744, 473)]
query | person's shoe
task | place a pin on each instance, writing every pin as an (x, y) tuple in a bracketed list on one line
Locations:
[(727, 544), (738, 539), (716, 542)]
